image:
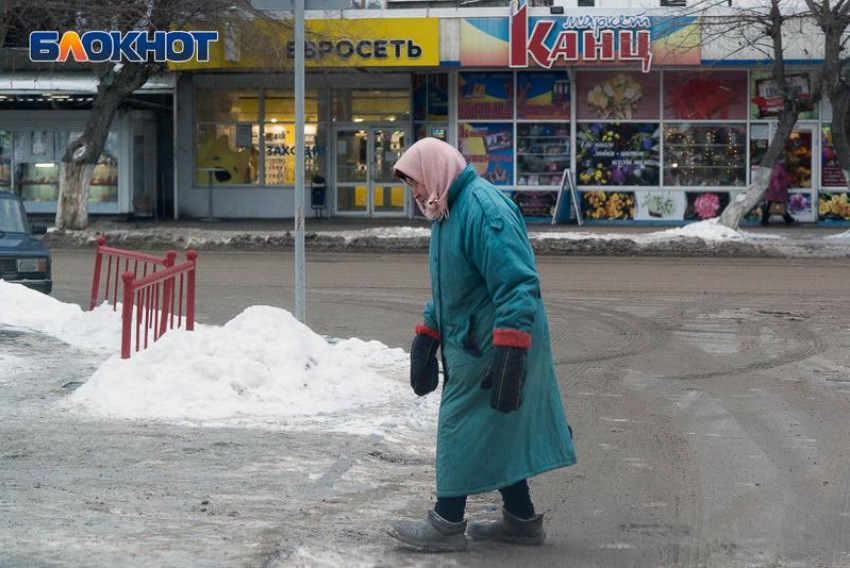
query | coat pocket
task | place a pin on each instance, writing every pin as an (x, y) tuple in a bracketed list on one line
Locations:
[(470, 344)]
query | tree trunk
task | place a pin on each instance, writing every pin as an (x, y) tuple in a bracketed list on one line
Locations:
[(80, 159), (744, 203), (72, 209), (840, 100)]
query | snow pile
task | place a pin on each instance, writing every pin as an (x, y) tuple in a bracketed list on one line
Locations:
[(840, 236), (263, 368), (98, 330), (709, 230), (577, 236), (380, 233)]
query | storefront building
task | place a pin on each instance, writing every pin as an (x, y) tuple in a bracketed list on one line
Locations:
[(40, 113), (654, 125)]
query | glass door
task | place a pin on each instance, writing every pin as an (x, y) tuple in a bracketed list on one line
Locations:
[(388, 194), (365, 184)]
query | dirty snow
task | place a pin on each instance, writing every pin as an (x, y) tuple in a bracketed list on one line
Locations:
[(844, 235), (99, 330), (380, 233)]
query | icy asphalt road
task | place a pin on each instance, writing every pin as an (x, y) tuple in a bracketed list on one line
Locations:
[(710, 401)]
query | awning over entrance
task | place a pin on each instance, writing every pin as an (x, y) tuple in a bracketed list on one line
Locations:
[(40, 82)]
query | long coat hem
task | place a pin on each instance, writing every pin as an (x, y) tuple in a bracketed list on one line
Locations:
[(507, 481)]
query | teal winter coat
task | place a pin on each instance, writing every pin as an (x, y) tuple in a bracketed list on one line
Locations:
[(484, 285)]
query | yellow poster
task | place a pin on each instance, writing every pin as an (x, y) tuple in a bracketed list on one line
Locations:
[(384, 42)]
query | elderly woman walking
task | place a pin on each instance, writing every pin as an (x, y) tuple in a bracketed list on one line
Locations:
[(501, 418)]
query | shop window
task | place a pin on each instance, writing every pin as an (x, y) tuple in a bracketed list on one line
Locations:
[(104, 181), (759, 141), (5, 160), (543, 153), (617, 95), (485, 96), (228, 154), (430, 105), (227, 105), (698, 154), (543, 95), (371, 105), (766, 101), (228, 137), (705, 95), (831, 174), (279, 106), (424, 130), (281, 151), (37, 158), (489, 148), (617, 154)]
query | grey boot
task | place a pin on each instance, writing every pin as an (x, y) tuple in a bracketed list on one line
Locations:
[(435, 534), (510, 529)]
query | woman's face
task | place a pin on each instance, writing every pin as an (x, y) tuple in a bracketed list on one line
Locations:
[(418, 189)]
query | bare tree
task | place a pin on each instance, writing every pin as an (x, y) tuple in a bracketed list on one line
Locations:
[(834, 19), (763, 27), (116, 81)]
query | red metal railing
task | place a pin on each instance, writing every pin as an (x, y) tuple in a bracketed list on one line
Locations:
[(151, 303), (133, 261)]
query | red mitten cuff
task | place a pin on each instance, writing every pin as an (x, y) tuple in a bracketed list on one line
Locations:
[(424, 329), (512, 338)]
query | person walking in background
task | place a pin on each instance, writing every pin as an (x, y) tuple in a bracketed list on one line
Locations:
[(777, 194), (501, 419)]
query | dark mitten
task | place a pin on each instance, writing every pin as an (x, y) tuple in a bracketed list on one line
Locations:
[(424, 371), (506, 375)]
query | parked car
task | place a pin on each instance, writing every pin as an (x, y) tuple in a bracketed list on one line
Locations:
[(23, 258)]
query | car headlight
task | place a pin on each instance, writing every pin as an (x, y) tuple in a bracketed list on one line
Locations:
[(32, 265)]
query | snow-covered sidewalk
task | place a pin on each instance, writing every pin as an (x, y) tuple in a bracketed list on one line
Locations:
[(704, 238)]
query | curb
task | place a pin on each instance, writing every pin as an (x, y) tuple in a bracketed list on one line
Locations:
[(328, 242)]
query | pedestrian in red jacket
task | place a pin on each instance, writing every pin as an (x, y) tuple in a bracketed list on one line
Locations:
[(777, 194)]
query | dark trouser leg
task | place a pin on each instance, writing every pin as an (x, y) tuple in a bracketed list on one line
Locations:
[(451, 508), (518, 500), (765, 214)]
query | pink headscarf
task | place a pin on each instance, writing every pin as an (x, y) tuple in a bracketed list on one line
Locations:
[(436, 165)]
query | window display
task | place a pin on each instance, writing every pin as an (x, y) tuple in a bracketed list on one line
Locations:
[(831, 174), (280, 153), (543, 95), (705, 95), (227, 154), (430, 105), (37, 167), (617, 95), (543, 153), (485, 96), (766, 101), (489, 148), (617, 154), (705, 155)]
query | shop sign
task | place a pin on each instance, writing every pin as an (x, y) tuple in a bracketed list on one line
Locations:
[(583, 38), (133, 46), (287, 150), (333, 42)]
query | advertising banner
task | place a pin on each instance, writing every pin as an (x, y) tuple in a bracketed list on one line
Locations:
[(489, 148)]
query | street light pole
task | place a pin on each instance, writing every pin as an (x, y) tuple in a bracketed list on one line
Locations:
[(300, 284)]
